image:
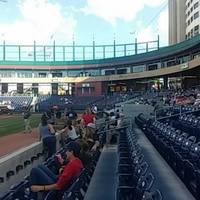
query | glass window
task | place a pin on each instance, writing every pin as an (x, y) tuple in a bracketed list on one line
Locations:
[(139, 68), (196, 5), (121, 71), (42, 75), (92, 72), (196, 15), (85, 85), (196, 28), (75, 73), (109, 72), (191, 32)]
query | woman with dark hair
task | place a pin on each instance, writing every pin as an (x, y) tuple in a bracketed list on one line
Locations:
[(47, 135), (68, 133)]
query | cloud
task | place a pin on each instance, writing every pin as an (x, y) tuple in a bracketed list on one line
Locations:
[(160, 27), (40, 21), (118, 9)]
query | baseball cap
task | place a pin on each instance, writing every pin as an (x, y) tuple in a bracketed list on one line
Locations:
[(73, 146)]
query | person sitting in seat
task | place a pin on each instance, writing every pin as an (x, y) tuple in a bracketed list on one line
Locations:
[(68, 133), (43, 179), (47, 135)]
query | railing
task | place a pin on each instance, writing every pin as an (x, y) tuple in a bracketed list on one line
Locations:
[(49, 53), (179, 110)]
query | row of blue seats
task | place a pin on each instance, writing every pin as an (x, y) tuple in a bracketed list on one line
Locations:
[(180, 150), (135, 182), (18, 103), (46, 102), (189, 124)]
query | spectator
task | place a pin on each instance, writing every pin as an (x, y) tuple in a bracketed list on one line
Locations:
[(43, 179), (88, 117), (85, 154), (71, 114), (47, 134), (197, 101), (68, 133), (95, 109)]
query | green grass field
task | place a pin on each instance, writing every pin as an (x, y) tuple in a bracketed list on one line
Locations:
[(15, 124)]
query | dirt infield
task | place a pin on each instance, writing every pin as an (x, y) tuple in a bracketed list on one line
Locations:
[(11, 143)]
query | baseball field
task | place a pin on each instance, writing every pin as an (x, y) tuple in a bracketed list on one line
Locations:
[(10, 124)]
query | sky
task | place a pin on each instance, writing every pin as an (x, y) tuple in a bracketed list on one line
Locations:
[(23, 21)]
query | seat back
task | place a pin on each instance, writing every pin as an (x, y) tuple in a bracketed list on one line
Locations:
[(144, 184), (188, 142), (155, 195), (52, 195)]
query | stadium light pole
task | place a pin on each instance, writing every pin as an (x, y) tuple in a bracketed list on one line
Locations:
[(114, 47), (93, 46), (134, 40), (73, 46)]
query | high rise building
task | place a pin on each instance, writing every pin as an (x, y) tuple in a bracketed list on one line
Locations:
[(192, 10), (177, 21), (184, 19), (172, 22)]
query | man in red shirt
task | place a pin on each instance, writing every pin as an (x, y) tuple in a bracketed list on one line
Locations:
[(43, 179)]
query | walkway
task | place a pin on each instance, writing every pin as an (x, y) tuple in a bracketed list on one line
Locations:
[(103, 182)]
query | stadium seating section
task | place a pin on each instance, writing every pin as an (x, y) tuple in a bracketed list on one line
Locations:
[(177, 140)]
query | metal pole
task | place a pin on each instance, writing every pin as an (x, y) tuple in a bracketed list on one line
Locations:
[(63, 53), (124, 50), (104, 52), (114, 49), (44, 51), (73, 50), (54, 51), (93, 49), (4, 50), (83, 52), (34, 51), (136, 46), (158, 42), (19, 48)]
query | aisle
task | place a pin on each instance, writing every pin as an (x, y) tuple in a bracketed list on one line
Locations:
[(103, 183)]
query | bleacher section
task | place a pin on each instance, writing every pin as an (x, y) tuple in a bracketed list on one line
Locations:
[(16, 103), (44, 103), (177, 140)]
